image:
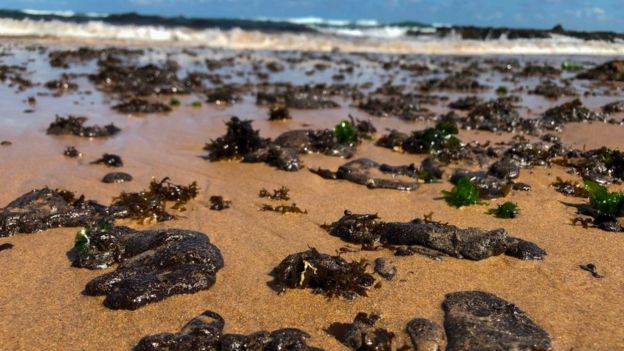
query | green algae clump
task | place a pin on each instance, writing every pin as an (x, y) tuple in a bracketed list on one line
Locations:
[(506, 210), (463, 194), (603, 201), (345, 132)]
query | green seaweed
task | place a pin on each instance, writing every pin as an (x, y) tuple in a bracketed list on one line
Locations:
[(501, 90), (174, 102), (464, 193), (196, 104), (345, 132), (571, 66), (506, 210), (603, 201), (82, 240)]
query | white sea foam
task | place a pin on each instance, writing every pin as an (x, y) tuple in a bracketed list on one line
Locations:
[(373, 39)]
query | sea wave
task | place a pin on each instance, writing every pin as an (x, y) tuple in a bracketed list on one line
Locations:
[(310, 34)]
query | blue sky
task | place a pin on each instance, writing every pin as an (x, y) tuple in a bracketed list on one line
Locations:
[(573, 14)]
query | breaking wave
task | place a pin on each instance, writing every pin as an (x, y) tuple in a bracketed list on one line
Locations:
[(310, 33)]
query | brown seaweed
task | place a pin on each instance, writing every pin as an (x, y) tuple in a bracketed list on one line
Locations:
[(151, 204), (283, 209), (278, 194), (324, 274), (240, 139)]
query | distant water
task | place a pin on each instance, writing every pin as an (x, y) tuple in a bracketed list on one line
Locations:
[(285, 34)]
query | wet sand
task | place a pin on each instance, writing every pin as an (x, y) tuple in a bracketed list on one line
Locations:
[(40, 294)]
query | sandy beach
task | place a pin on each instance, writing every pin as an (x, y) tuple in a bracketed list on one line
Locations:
[(40, 293)]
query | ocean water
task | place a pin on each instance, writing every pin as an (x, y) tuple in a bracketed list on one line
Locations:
[(309, 34)]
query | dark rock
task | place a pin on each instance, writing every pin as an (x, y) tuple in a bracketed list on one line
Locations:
[(5, 143), (476, 320), (217, 203), (498, 115), (609, 71), (407, 107), (418, 250), (470, 243), (306, 97), (61, 84), (72, 152), (540, 71), (570, 188), (45, 208), (466, 103), (117, 177), (6, 246), (551, 90), (385, 269), (324, 173), (109, 160), (490, 187), (75, 126), (572, 111), (591, 268), (524, 250), (534, 154), (367, 172), (505, 168), (460, 81), (393, 140), (138, 105), (62, 58), (521, 187), (551, 138), (602, 165), (226, 94), (279, 113), (284, 158), (614, 107), (205, 332), (153, 264), (146, 80), (362, 335), (425, 335), (311, 141)]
